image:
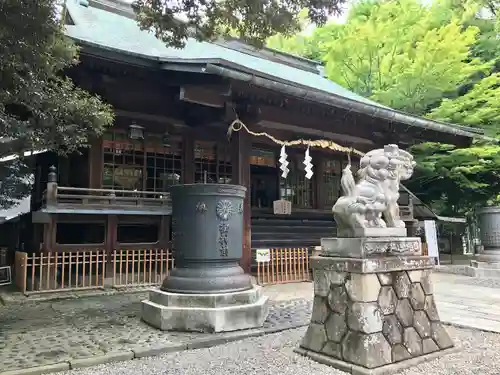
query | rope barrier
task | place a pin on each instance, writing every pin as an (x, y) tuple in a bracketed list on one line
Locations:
[(237, 125)]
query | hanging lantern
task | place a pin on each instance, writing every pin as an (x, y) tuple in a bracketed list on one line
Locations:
[(166, 139), (308, 165), (135, 132)]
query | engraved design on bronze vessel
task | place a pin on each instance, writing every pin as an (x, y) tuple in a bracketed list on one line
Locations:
[(201, 207), (223, 239), (224, 209)]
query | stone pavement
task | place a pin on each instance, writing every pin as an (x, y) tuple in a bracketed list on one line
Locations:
[(36, 334), (52, 332)]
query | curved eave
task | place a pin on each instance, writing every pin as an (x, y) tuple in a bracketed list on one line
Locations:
[(383, 113)]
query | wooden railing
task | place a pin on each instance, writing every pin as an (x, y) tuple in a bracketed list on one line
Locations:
[(50, 272), (73, 196), (57, 196), (285, 265), (81, 270), (141, 267)]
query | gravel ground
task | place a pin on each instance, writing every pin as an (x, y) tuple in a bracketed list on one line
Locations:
[(273, 354)]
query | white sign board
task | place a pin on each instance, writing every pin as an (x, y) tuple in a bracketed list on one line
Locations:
[(431, 239), (282, 207), (262, 255)]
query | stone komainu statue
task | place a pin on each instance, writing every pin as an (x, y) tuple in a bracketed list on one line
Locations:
[(377, 192)]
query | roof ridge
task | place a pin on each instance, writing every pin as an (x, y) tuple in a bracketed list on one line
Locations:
[(118, 7)]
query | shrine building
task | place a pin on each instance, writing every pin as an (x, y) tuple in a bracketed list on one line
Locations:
[(173, 109)]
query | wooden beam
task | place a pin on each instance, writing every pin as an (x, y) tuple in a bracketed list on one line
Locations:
[(241, 145), (203, 96)]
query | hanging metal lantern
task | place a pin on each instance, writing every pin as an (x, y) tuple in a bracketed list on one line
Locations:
[(135, 132), (166, 139)]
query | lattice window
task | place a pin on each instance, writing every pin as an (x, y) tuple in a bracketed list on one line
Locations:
[(212, 163), (331, 181), (164, 163), (296, 187), (123, 162), (140, 164)]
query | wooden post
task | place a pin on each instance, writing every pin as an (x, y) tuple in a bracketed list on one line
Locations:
[(51, 198), (240, 155), (111, 244), (320, 182), (96, 164)]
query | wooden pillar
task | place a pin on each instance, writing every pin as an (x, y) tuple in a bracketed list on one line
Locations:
[(111, 242), (320, 182), (241, 147), (96, 164)]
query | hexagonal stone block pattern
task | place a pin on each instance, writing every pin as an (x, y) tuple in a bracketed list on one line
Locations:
[(385, 278), (392, 330), (387, 300), (337, 299), (369, 351), (422, 324), (320, 310), (336, 327), (430, 308), (440, 336), (324, 279), (333, 349), (417, 296), (315, 338), (363, 287), (404, 312), (412, 341), (426, 282), (415, 276), (365, 317), (429, 346), (399, 353), (401, 284)]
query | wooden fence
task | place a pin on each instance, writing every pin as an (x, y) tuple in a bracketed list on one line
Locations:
[(285, 265), (51, 272), (141, 267)]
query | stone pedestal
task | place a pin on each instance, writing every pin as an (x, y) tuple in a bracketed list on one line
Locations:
[(205, 312), (489, 230), (487, 263), (207, 290), (374, 310)]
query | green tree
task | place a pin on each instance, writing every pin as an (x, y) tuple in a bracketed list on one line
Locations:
[(479, 107), (40, 108), (409, 70), (253, 21), (444, 66), (456, 181)]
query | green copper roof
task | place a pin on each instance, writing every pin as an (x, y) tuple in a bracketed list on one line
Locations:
[(109, 24), (117, 32)]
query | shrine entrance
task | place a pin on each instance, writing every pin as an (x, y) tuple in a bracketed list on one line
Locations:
[(264, 178)]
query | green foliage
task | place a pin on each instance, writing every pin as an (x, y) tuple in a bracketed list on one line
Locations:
[(409, 70), (479, 107), (439, 60), (251, 20), (461, 179), (40, 108)]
